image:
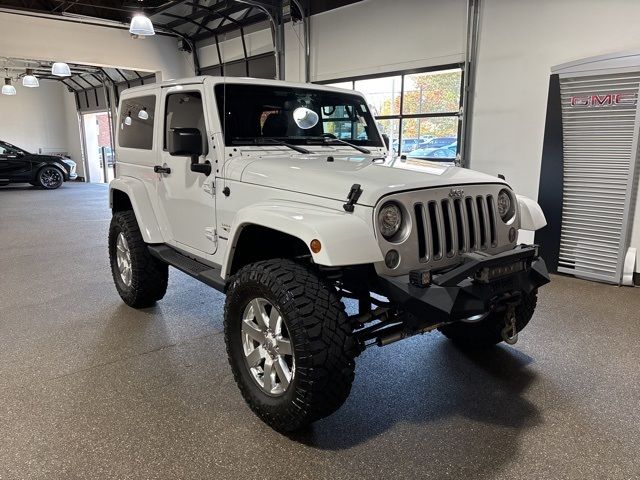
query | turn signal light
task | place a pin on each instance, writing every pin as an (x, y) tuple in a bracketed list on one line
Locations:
[(315, 245)]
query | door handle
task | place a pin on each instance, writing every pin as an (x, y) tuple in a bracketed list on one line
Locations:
[(161, 169)]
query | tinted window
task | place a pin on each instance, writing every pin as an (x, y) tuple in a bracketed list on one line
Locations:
[(136, 120), (250, 112), (184, 110), (8, 149)]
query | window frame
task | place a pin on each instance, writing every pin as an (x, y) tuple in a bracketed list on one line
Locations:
[(122, 115), (400, 116), (165, 148), (375, 141)]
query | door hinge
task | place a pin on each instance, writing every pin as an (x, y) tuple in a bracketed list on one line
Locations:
[(209, 188), (210, 233)]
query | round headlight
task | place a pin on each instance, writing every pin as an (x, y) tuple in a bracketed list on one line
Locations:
[(389, 219), (505, 206)]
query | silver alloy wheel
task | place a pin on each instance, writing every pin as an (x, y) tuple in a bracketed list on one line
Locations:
[(123, 259), (51, 177), (267, 347)]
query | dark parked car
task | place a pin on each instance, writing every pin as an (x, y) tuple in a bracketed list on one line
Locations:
[(47, 171)]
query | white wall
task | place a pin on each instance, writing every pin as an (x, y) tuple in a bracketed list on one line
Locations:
[(520, 41), (368, 37), (46, 39), (31, 118), (376, 36)]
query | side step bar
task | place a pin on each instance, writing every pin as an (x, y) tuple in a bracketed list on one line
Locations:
[(199, 271)]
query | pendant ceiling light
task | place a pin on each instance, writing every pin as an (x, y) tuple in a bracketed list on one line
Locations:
[(141, 25), (60, 69), (8, 89), (127, 120), (29, 80), (143, 114)]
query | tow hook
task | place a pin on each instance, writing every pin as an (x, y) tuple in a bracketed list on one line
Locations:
[(510, 332)]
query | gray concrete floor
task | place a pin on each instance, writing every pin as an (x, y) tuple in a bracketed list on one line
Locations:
[(90, 388)]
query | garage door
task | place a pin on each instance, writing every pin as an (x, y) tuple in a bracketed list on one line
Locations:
[(600, 152)]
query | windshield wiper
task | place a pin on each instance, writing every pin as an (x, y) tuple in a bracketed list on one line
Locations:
[(270, 141), (337, 141)]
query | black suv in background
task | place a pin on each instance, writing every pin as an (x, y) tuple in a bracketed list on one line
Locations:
[(47, 171)]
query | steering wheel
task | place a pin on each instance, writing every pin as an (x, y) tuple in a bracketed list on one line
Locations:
[(329, 135)]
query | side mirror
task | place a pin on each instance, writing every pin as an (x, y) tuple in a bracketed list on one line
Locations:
[(385, 139), (185, 142)]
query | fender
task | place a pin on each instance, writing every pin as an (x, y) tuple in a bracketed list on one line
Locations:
[(531, 215), (139, 199), (58, 165), (345, 239)]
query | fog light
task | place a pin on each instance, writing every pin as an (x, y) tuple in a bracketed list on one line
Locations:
[(392, 259), (420, 278), (512, 235)]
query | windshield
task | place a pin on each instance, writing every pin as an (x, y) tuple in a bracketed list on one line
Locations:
[(298, 116)]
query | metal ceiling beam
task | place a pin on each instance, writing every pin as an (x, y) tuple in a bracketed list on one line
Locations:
[(235, 8), (274, 13), (232, 20)]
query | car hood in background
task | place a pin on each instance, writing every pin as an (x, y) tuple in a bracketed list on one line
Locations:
[(315, 175)]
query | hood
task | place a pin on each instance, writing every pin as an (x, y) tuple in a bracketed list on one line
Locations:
[(315, 175), (45, 158)]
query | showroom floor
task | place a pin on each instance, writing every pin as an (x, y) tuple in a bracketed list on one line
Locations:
[(90, 388)]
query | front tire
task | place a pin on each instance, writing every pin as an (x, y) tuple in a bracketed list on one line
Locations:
[(50, 178), (289, 343), (140, 278), (488, 332)]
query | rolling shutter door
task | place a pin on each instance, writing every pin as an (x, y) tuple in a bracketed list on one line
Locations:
[(599, 144)]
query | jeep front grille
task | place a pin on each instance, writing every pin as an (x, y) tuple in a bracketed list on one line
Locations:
[(444, 226), (453, 226)]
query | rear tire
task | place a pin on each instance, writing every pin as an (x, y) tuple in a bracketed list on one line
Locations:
[(488, 332), (140, 278), (50, 178), (317, 333)]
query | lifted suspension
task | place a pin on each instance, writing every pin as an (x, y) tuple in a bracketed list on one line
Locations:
[(391, 325)]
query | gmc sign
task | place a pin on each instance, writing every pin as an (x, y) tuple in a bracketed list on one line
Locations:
[(605, 100)]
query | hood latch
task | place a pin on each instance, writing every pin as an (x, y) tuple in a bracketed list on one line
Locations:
[(352, 198)]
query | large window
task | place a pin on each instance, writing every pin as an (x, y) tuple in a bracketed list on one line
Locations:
[(418, 110)]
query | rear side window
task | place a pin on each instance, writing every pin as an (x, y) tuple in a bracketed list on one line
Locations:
[(137, 116)]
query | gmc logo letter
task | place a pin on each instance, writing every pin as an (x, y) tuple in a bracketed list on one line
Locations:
[(607, 100)]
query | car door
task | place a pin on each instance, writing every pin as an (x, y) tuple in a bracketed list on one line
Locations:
[(185, 197), (14, 165)]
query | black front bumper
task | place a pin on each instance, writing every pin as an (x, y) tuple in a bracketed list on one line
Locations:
[(480, 284)]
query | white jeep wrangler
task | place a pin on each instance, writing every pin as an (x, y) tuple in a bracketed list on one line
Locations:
[(281, 196)]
